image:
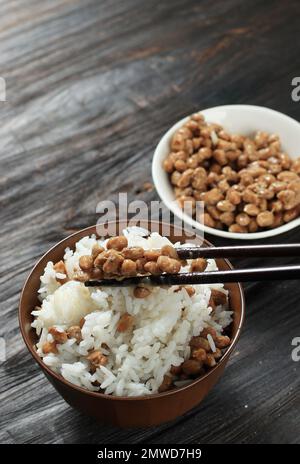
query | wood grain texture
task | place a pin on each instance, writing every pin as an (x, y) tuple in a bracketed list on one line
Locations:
[(91, 87)]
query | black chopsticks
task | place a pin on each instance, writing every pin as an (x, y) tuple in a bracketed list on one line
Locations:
[(232, 275), (255, 251)]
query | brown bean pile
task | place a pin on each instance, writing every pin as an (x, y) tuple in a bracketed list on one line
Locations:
[(120, 261), (246, 184)]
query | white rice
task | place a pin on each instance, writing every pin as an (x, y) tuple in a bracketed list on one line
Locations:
[(138, 359), (211, 343)]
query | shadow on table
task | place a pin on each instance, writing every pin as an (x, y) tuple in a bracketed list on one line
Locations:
[(79, 428)]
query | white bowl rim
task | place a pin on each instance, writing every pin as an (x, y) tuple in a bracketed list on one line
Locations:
[(156, 164)]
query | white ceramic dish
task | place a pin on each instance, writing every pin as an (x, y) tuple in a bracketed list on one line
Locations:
[(243, 119)]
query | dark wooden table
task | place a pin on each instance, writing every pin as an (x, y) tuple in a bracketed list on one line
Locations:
[(91, 87)]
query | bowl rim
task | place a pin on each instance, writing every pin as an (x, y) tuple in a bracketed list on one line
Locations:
[(188, 219), (89, 231)]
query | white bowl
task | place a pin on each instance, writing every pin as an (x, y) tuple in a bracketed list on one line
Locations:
[(240, 119)]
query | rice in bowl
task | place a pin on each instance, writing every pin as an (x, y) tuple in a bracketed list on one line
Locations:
[(159, 350)]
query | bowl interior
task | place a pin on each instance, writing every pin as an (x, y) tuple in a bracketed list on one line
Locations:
[(243, 119), (29, 300)]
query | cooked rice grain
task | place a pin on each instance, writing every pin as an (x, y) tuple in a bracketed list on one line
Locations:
[(138, 358)]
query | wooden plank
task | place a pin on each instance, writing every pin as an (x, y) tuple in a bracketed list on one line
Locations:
[(91, 87)]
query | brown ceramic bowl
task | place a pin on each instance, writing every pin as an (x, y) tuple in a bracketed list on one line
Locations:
[(126, 411)]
